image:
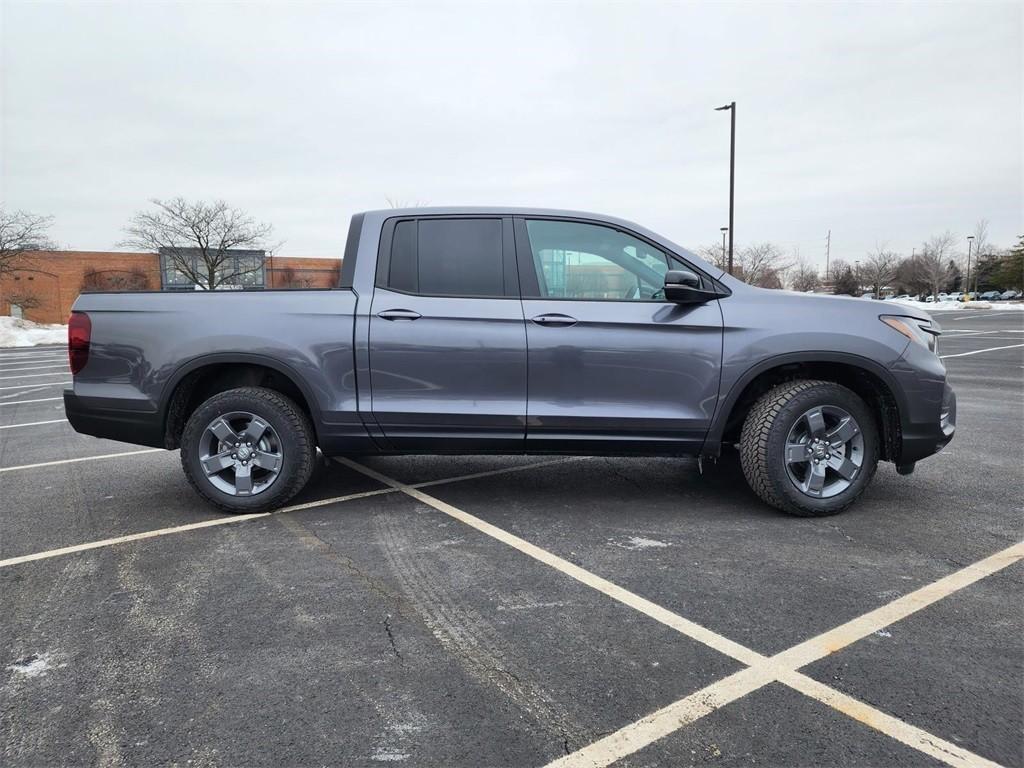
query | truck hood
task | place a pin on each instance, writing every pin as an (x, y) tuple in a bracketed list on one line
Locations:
[(825, 303)]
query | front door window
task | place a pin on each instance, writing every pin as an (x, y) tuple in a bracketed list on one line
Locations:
[(587, 261)]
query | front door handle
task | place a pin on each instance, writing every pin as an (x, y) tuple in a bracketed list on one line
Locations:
[(399, 314), (554, 320)]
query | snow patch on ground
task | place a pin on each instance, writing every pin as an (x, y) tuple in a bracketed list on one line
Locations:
[(639, 542), (937, 306), (32, 666), (15, 332)]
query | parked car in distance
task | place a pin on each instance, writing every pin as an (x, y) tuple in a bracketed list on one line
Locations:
[(512, 331), (901, 297), (1009, 295), (955, 296), (990, 296)]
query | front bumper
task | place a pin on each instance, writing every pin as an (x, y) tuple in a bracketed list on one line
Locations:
[(922, 439)]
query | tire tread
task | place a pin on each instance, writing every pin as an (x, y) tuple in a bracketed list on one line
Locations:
[(295, 418), (754, 454)]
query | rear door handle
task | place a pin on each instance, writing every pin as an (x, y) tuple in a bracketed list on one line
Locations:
[(399, 314), (554, 320)]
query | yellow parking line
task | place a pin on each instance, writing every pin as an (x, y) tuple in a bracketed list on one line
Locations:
[(761, 669)]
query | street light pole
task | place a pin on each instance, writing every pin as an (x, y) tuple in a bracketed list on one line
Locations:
[(731, 106), (970, 242), (724, 230)]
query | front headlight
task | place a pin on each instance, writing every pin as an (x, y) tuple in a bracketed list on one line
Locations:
[(923, 332)]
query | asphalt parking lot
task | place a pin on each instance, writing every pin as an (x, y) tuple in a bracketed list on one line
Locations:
[(510, 611)]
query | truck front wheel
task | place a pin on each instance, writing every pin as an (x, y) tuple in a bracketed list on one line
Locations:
[(809, 448), (248, 450)]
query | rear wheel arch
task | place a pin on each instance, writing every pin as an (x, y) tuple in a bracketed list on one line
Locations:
[(866, 378), (202, 378)]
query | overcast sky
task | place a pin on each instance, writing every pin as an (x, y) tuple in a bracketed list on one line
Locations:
[(884, 123)]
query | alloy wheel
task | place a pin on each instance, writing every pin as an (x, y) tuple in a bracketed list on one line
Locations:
[(240, 453), (824, 451)]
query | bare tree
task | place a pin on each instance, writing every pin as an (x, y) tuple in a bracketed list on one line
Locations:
[(932, 265), (714, 254), (878, 270), (804, 276), (25, 300), (21, 233), (762, 264), (397, 202), (983, 251), (199, 238)]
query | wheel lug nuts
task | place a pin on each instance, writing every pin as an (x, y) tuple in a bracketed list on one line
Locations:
[(234, 455)]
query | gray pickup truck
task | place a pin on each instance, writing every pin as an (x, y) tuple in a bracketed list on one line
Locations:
[(501, 330)]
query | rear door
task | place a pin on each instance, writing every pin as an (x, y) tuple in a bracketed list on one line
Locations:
[(613, 367), (447, 342)]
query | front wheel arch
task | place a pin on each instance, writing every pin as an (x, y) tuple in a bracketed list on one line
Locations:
[(867, 379)]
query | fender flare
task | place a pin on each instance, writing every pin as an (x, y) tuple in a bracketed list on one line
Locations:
[(714, 437), (242, 358)]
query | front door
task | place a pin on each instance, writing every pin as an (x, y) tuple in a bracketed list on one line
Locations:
[(613, 367), (447, 337)]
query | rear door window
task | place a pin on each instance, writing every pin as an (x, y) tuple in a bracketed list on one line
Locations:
[(447, 257)]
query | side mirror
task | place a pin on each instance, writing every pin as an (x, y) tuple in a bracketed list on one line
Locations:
[(683, 287)]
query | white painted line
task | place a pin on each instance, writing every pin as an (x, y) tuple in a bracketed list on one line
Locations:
[(40, 400), (33, 375), (33, 424), (783, 668), (614, 591), (50, 352), (131, 537), (22, 394), (492, 472), (81, 458), (236, 518), (979, 351), (761, 670), (818, 647), (901, 731), (38, 384), (55, 363), (667, 720)]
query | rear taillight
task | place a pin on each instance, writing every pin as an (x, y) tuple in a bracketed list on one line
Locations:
[(79, 333)]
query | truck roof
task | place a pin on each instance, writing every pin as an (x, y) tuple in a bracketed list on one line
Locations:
[(380, 215)]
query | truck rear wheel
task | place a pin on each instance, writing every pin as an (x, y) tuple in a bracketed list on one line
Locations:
[(809, 448), (248, 450)]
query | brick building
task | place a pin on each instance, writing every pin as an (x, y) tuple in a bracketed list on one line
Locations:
[(44, 289)]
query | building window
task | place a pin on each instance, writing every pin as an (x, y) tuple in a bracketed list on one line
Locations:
[(240, 269)]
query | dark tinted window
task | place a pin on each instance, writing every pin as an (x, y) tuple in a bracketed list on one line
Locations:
[(447, 257), (402, 275), (460, 257)]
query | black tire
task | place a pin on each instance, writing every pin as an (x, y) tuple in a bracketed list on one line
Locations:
[(288, 421), (763, 445)]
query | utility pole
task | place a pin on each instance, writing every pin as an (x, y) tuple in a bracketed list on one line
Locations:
[(731, 106), (967, 284), (724, 230), (828, 252)]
